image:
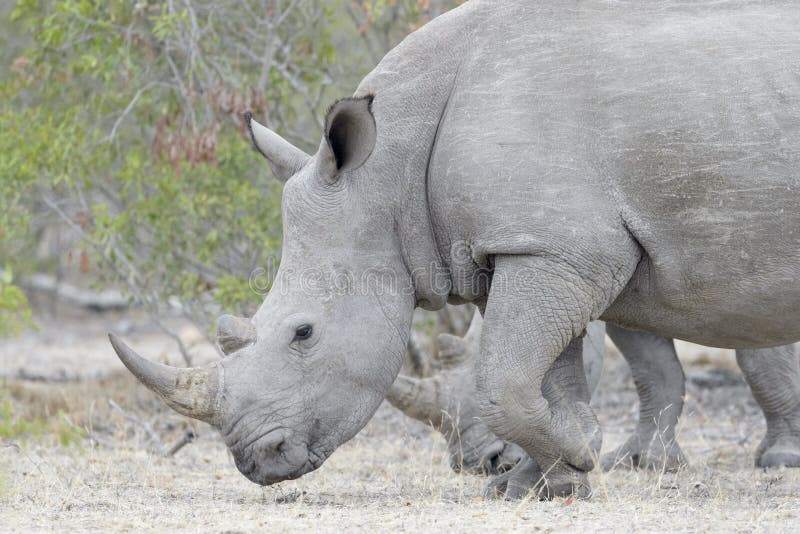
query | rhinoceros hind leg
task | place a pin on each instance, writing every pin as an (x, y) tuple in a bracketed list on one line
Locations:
[(659, 381), (774, 378), (637, 453)]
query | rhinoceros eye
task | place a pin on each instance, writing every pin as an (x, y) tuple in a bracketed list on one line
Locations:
[(303, 332)]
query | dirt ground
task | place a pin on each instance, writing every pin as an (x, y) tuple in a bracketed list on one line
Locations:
[(393, 476)]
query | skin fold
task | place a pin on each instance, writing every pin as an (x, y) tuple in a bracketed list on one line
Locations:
[(554, 163)]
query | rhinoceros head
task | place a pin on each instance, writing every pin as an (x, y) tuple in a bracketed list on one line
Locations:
[(328, 340)]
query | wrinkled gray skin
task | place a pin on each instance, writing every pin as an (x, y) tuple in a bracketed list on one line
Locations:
[(448, 401), (633, 162), (774, 378), (772, 373), (660, 385)]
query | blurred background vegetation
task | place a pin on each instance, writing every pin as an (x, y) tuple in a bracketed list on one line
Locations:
[(124, 163)]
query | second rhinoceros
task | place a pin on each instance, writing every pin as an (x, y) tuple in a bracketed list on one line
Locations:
[(554, 163), (448, 401)]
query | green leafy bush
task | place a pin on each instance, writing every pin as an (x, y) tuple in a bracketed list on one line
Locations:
[(12, 426), (15, 313), (123, 121)]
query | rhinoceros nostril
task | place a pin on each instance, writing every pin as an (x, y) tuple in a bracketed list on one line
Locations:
[(274, 441)]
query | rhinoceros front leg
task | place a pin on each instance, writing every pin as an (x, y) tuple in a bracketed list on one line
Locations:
[(530, 377), (660, 384), (563, 385), (774, 378), (516, 483)]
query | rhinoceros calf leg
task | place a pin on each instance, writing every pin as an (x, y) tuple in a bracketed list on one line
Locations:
[(774, 378), (660, 384), (531, 368)]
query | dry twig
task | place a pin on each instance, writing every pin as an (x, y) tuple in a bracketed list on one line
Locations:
[(154, 439), (188, 437)]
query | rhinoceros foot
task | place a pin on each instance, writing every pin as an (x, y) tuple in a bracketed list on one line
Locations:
[(527, 479), (784, 452), (637, 453)]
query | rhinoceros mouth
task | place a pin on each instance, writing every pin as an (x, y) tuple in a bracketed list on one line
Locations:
[(274, 457), (311, 464)]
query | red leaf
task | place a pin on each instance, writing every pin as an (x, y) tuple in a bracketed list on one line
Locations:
[(84, 261)]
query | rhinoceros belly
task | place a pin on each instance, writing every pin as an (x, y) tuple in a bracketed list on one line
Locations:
[(703, 157)]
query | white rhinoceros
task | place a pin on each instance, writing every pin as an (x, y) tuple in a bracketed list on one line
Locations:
[(552, 162)]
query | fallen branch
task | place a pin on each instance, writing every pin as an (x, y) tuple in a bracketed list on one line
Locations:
[(93, 300), (187, 438)]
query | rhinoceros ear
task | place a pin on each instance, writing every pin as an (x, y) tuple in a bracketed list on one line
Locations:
[(349, 135), (284, 158)]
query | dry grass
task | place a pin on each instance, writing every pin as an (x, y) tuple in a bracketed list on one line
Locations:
[(392, 476)]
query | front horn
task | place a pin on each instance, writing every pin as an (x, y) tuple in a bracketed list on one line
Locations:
[(191, 391)]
